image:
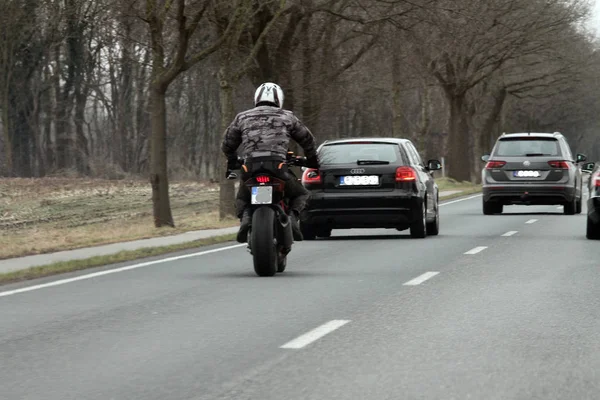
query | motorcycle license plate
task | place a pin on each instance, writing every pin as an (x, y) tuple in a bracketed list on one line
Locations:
[(262, 194)]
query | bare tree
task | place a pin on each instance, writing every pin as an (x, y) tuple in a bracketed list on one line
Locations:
[(470, 40), (169, 60)]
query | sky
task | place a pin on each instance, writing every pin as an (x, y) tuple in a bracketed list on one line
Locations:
[(594, 22)]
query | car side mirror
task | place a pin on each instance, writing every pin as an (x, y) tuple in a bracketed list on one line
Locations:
[(434, 165), (589, 167), (581, 157), (485, 158)]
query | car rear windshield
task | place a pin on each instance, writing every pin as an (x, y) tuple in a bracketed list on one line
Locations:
[(524, 147), (350, 153)]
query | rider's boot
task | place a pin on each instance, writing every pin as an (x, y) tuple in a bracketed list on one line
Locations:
[(297, 233), (245, 221)]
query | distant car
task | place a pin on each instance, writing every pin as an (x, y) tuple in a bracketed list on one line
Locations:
[(371, 183), (532, 169), (593, 202)]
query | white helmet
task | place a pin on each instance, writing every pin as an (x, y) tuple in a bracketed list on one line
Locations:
[(269, 93)]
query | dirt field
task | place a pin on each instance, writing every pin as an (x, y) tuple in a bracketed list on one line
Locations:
[(43, 215)]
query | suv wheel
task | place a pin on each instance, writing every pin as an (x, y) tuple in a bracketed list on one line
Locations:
[(491, 208), (570, 207)]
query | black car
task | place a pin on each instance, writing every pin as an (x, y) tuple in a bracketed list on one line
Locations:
[(532, 169), (371, 183), (593, 202)]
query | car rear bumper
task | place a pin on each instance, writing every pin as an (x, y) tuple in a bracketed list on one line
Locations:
[(528, 194), (345, 211), (593, 209)]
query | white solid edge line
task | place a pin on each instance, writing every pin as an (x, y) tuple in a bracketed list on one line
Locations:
[(421, 278), (115, 270), (476, 250), (510, 233), (315, 334), (531, 221), (459, 200), (146, 264)]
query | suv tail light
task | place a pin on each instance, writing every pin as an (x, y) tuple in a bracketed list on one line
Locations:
[(311, 176), (405, 174), (596, 180), (559, 164), (263, 179), (495, 164)]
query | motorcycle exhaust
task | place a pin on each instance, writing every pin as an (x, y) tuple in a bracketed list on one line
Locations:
[(287, 238)]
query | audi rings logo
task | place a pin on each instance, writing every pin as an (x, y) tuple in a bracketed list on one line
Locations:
[(357, 171)]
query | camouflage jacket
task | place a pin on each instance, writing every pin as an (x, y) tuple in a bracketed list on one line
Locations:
[(266, 128)]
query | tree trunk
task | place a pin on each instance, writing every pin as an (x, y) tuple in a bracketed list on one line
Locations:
[(82, 158), (459, 161), (226, 186), (158, 177), (491, 122), (396, 94), (7, 140)]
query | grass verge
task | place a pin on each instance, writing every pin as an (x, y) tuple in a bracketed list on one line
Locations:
[(448, 184), (98, 261), (44, 215)]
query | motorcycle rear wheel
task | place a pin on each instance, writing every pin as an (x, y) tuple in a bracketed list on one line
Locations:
[(264, 251)]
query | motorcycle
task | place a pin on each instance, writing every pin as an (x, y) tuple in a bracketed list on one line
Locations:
[(270, 236)]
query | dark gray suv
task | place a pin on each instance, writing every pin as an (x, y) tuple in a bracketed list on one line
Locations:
[(532, 169)]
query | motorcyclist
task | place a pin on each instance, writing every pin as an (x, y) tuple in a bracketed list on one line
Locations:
[(268, 128)]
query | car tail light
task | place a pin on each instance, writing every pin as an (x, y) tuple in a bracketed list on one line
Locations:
[(405, 174), (559, 164), (311, 176), (596, 181), (495, 164), (263, 179)]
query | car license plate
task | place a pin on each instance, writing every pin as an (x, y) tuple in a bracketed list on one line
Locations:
[(526, 174), (362, 180), (262, 194)]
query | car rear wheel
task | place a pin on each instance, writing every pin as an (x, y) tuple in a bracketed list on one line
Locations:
[(308, 231), (592, 229), (418, 229), (323, 232), (433, 228), (570, 207)]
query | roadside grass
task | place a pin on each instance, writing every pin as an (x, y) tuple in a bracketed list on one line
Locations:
[(466, 188), (43, 215), (98, 261)]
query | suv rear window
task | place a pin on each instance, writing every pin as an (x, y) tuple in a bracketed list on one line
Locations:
[(350, 153), (524, 147)]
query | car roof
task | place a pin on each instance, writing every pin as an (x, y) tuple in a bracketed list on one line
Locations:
[(554, 135), (390, 140)]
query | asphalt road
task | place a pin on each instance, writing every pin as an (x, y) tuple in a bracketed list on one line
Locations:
[(495, 307)]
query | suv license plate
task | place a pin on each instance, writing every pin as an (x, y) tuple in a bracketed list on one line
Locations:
[(526, 174), (362, 180), (262, 194)]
